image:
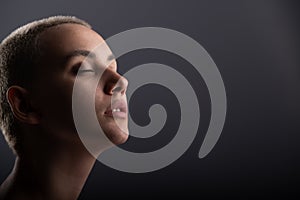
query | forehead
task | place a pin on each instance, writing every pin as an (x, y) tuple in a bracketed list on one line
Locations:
[(58, 42)]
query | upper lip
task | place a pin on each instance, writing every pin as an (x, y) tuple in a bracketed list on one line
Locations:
[(119, 104)]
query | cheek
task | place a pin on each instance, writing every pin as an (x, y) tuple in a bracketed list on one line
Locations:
[(60, 95), (54, 100), (102, 101), (84, 102)]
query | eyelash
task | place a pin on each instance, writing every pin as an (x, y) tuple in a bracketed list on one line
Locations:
[(76, 70), (85, 70)]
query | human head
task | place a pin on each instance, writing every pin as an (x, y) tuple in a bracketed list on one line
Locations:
[(26, 56)]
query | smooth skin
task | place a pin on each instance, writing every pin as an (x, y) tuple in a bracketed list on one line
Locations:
[(54, 164)]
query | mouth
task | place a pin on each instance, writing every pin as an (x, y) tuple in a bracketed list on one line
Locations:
[(118, 109)]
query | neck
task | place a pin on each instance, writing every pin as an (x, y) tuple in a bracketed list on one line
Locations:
[(54, 171)]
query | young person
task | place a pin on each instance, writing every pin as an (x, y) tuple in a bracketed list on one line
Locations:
[(39, 63)]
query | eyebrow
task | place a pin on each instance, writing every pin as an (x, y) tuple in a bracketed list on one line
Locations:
[(80, 52), (87, 53)]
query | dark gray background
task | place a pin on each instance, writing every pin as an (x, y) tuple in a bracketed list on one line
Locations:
[(255, 45)]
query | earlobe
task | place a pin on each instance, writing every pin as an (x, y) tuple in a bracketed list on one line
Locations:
[(20, 104)]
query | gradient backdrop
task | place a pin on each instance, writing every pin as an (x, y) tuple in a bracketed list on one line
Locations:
[(256, 47)]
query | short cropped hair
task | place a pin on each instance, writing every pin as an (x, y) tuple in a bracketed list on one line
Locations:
[(19, 55)]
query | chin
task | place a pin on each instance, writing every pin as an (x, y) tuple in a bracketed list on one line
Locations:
[(116, 135), (120, 139)]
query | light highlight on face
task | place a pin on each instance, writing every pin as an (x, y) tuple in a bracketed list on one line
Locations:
[(68, 51)]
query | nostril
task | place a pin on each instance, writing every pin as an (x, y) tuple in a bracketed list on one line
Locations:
[(116, 84), (117, 89)]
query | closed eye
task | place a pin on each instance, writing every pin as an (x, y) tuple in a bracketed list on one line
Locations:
[(81, 69), (86, 71)]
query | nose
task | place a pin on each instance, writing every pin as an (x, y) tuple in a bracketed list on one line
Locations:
[(115, 83)]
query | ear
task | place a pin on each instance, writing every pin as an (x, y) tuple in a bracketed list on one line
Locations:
[(20, 104)]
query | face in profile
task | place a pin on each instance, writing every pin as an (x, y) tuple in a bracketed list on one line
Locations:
[(67, 53)]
